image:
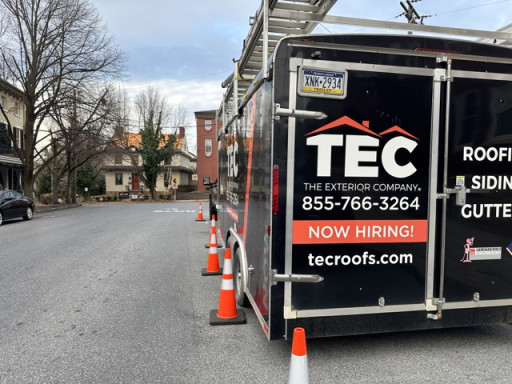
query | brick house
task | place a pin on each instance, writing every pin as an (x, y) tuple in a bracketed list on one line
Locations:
[(207, 157)]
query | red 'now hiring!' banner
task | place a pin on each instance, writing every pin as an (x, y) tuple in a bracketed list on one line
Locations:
[(359, 231)]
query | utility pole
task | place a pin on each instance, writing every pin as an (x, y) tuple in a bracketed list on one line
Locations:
[(410, 13)]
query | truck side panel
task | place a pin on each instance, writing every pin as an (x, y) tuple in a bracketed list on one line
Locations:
[(245, 159)]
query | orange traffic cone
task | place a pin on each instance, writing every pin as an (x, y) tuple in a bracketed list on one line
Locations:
[(213, 228), (212, 268), (227, 312), (299, 362), (200, 213)]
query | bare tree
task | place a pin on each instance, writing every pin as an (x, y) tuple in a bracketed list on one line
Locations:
[(83, 132), (178, 117), (51, 47), (121, 107)]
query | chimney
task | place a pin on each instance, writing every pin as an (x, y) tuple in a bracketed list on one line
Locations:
[(118, 131), (182, 132)]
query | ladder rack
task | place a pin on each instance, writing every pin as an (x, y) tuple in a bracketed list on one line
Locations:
[(276, 19), (265, 32)]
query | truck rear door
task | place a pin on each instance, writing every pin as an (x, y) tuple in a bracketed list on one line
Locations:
[(360, 192), (475, 239), (402, 195)]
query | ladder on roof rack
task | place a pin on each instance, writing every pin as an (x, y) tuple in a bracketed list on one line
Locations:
[(276, 19), (505, 29), (267, 29), (265, 32)]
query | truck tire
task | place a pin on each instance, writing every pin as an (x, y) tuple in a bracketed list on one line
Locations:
[(239, 279)]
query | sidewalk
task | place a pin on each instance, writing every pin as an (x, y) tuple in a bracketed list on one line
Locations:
[(41, 208)]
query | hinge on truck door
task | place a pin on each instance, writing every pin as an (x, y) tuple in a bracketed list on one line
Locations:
[(438, 302), (447, 76), (293, 278)]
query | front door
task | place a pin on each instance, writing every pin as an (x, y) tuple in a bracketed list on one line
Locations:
[(135, 182)]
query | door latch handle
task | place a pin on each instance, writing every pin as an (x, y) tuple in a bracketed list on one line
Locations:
[(294, 278), (460, 192)]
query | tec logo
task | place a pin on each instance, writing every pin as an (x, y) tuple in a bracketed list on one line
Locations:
[(361, 150)]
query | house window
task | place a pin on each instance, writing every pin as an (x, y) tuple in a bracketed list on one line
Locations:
[(18, 137), (3, 102), (118, 158), (119, 178), (208, 147), (4, 136), (17, 110), (208, 125)]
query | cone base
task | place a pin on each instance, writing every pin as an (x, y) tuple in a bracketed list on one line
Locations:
[(200, 220), (208, 246), (204, 272), (215, 320)]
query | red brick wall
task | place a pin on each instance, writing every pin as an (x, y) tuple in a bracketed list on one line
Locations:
[(206, 165)]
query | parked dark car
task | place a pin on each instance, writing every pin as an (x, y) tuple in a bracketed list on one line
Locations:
[(14, 205)]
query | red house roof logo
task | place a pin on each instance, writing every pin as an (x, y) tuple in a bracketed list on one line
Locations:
[(364, 127)]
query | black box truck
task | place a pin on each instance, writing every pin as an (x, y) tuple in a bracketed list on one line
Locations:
[(365, 184)]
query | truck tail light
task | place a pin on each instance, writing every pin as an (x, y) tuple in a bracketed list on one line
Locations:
[(436, 51), (275, 190)]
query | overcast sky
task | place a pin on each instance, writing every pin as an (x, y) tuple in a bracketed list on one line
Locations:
[(185, 48)]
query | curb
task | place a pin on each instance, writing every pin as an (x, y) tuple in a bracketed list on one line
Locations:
[(56, 207)]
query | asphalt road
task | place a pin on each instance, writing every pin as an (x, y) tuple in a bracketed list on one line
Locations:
[(113, 294)]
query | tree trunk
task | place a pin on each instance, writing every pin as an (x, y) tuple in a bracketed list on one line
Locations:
[(28, 153), (55, 184), (55, 177), (69, 175), (28, 179), (73, 186)]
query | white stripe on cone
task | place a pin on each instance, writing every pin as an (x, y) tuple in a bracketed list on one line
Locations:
[(298, 370), (227, 270), (228, 267), (213, 243)]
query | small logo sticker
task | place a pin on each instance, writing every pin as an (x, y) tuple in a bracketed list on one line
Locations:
[(467, 250), (480, 253)]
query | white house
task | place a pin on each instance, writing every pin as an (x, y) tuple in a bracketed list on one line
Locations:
[(11, 168), (122, 167)]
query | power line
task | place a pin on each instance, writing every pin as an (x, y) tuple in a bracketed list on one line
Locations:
[(471, 7), (135, 123), (413, 15)]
